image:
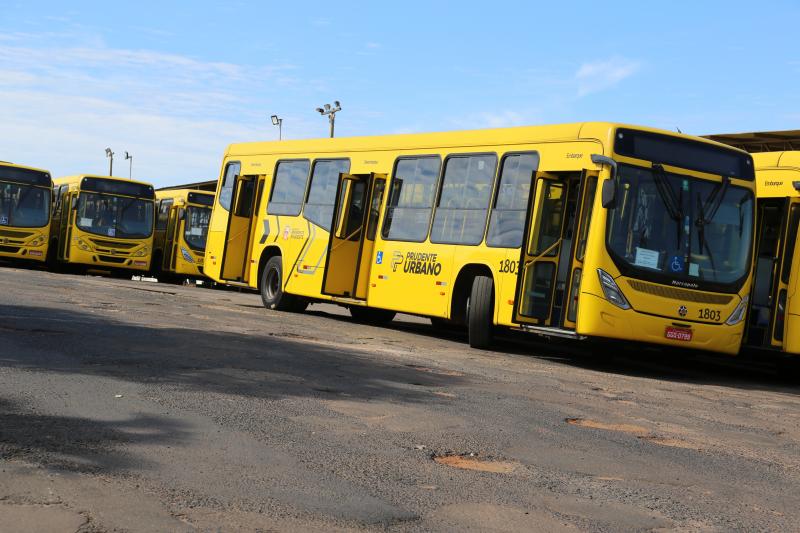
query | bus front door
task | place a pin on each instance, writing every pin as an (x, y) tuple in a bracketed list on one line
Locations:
[(240, 223), (352, 240), (547, 251), (784, 289)]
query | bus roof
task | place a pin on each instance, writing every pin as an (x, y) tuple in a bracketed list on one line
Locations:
[(68, 180), (182, 194), (517, 135)]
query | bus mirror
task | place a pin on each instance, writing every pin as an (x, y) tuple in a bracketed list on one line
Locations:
[(609, 194), (181, 214), (74, 205)]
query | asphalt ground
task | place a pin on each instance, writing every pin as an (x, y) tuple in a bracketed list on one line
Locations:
[(135, 406)]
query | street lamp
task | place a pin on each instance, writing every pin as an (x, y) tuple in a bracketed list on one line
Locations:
[(278, 122), (130, 167), (110, 156), (330, 111)]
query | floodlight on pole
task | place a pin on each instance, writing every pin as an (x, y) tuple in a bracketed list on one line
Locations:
[(130, 166), (277, 121), (110, 156), (331, 112)]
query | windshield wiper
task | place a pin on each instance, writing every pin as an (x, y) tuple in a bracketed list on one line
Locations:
[(674, 209), (711, 206)]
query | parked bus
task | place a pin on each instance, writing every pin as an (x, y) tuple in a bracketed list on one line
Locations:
[(181, 231), (774, 319), (25, 195), (103, 222), (576, 230)]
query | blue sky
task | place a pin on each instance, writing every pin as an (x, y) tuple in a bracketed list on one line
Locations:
[(174, 82)]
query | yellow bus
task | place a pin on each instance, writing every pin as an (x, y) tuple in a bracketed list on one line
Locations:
[(25, 198), (103, 222), (774, 319), (577, 230), (181, 230)]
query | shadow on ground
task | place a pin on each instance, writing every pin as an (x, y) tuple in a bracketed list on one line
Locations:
[(78, 444)]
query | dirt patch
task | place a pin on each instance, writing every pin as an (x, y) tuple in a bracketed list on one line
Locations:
[(471, 462), (668, 441), (639, 431), (437, 371)]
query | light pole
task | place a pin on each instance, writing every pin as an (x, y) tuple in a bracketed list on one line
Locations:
[(130, 166), (110, 156), (278, 122), (331, 112)]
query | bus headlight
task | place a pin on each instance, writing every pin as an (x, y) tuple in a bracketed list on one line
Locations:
[(38, 241), (82, 245), (141, 253), (611, 290), (738, 313)]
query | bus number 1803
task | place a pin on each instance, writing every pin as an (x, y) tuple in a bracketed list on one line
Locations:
[(510, 266)]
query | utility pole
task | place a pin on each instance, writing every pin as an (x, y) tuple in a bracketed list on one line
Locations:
[(110, 156), (331, 112)]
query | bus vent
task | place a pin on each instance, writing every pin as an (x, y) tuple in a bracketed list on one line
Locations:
[(15, 234), (680, 294)]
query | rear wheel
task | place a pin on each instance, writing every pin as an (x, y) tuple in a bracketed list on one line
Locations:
[(367, 315), (480, 311), (271, 288)]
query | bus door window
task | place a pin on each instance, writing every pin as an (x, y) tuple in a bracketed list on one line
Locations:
[(341, 269), (770, 220), (788, 245)]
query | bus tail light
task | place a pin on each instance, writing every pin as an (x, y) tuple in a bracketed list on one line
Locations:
[(611, 290), (738, 313)]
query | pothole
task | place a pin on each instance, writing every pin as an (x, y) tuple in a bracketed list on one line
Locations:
[(639, 431), (473, 462)]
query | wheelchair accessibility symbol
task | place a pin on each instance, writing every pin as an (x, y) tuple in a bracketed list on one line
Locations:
[(676, 265), (379, 258)]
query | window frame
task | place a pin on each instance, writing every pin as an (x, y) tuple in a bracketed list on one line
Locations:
[(275, 182), (496, 195), (440, 189), (310, 183), (222, 184), (390, 189)]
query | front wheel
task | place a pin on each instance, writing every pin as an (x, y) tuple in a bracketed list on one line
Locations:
[(480, 312), (271, 288)]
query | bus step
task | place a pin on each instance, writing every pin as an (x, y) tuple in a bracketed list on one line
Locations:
[(552, 332)]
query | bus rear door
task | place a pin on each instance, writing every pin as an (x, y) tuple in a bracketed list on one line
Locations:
[(352, 240)]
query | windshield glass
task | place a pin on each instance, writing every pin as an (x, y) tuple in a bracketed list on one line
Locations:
[(196, 230), (24, 206), (669, 227), (115, 216)]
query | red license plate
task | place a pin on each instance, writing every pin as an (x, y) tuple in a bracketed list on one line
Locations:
[(678, 334)]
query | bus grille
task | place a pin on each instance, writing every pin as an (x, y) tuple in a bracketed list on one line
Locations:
[(15, 234), (112, 244), (110, 259), (680, 294), (9, 249)]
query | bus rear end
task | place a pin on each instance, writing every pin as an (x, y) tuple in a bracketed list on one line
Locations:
[(25, 200), (110, 225), (670, 254)]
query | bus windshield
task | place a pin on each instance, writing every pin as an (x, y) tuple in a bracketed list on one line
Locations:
[(24, 206), (680, 230), (115, 216), (196, 230)]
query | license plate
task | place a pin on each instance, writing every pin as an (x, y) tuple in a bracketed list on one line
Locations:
[(35, 253), (678, 334), (140, 263)]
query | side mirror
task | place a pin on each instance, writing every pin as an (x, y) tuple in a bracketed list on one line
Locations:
[(181, 214), (74, 205), (609, 194)]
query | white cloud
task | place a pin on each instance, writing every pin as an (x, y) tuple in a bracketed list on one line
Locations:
[(62, 104), (602, 75)]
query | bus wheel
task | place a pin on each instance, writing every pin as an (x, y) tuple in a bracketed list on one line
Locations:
[(367, 315), (480, 311), (272, 289)]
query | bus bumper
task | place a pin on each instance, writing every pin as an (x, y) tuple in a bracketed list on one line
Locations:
[(25, 245), (597, 317), (99, 260)]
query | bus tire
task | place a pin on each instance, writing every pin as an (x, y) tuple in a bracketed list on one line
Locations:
[(271, 288), (367, 315), (480, 312)]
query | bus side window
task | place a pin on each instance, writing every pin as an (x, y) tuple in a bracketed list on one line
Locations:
[(322, 191), (507, 220), (288, 188), (411, 196), (460, 216), (226, 191), (163, 213)]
